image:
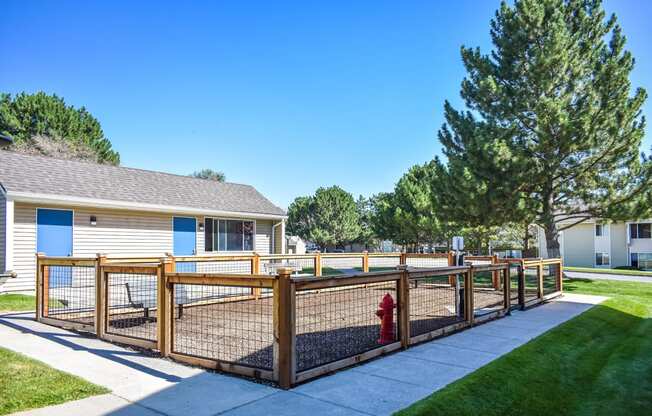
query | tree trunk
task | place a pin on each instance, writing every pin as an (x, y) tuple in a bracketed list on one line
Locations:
[(552, 242), (526, 239)]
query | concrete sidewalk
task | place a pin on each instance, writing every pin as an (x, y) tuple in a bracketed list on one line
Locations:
[(607, 276), (144, 385)]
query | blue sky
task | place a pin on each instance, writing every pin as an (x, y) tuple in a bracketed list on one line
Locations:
[(284, 96)]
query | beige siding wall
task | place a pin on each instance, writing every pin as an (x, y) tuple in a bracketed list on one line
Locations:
[(121, 233), (3, 230), (24, 249), (117, 233), (263, 237), (618, 244), (578, 246)]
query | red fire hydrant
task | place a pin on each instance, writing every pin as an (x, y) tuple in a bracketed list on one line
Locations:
[(386, 315)]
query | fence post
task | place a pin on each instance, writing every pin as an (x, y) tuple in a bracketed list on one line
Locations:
[(495, 275), (540, 278), (403, 258), (100, 303), (45, 291), (403, 304), (284, 327), (521, 284), (255, 270), (365, 261), (560, 284), (507, 285), (317, 264), (468, 295), (162, 312), (452, 279)]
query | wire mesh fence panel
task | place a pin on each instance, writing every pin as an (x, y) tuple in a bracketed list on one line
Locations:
[(341, 263), (434, 303), (488, 295), (71, 293), (531, 283), (300, 265), (427, 262), (333, 324), (131, 301), (228, 267), (223, 323), (384, 263), (477, 262), (550, 282)]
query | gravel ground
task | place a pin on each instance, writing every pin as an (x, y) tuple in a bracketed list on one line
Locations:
[(331, 324)]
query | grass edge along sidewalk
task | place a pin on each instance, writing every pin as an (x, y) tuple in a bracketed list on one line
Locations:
[(622, 272), (597, 363), (10, 302), (26, 384)]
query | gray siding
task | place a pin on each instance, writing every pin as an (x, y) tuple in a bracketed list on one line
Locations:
[(618, 245), (3, 230), (578, 246), (117, 233)]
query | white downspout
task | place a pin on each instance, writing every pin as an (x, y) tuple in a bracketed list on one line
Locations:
[(9, 234)]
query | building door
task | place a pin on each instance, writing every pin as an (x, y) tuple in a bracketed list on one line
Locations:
[(185, 242), (54, 238)]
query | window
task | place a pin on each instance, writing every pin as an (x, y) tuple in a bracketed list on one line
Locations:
[(642, 261), (598, 230), (228, 235), (601, 259), (640, 230)]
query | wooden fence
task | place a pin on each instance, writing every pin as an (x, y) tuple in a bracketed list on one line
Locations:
[(253, 316)]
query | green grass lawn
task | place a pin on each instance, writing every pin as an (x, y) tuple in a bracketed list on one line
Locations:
[(325, 271), (625, 272), (29, 384), (14, 303), (599, 363)]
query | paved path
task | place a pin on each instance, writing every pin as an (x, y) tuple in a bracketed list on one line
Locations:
[(142, 385), (608, 276)]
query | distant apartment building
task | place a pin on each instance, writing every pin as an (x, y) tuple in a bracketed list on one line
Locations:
[(595, 243)]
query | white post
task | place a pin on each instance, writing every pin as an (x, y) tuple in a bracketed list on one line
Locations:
[(9, 235)]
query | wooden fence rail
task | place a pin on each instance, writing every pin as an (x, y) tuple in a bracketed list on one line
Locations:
[(284, 327)]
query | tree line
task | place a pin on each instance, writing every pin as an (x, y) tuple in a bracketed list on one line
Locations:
[(551, 136)]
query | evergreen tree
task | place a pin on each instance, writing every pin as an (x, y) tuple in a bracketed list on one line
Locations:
[(44, 124), (553, 129)]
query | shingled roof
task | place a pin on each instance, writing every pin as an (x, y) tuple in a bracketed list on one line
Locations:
[(24, 175)]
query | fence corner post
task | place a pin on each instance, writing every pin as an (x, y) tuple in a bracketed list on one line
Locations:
[(40, 286), (365, 261), (452, 279), (317, 267), (521, 284), (404, 307), (495, 275), (561, 275), (255, 270), (507, 287), (165, 266), (468, 296), (540, 278), (284, 328), (403, 258), (100, 296)]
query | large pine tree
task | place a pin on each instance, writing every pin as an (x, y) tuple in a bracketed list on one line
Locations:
[(552, 130)]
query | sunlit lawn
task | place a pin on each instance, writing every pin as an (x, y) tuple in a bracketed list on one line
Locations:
[(598, 363), (28, 384)]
